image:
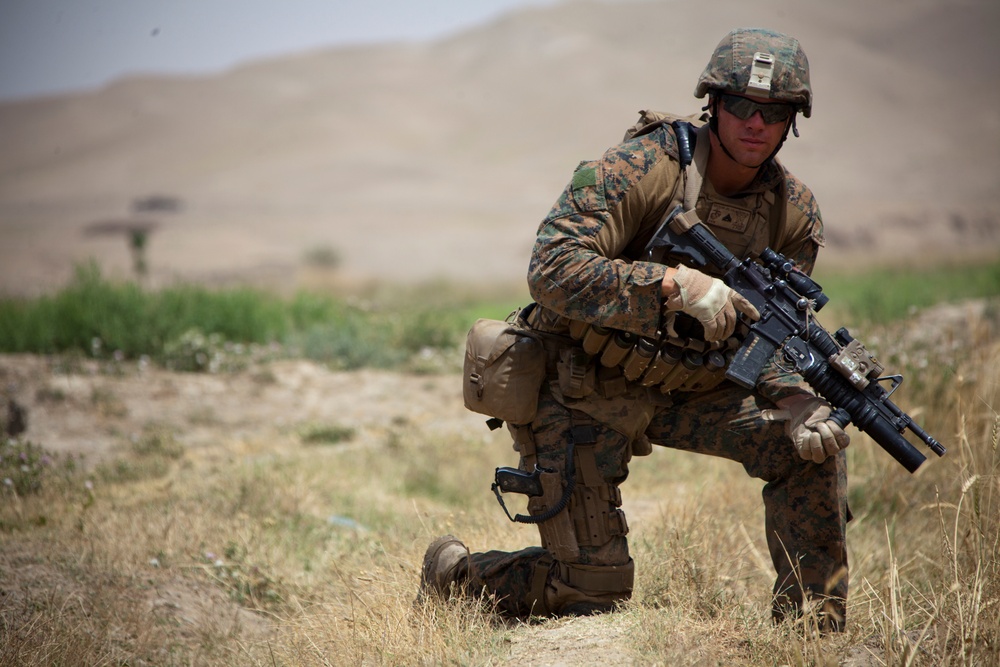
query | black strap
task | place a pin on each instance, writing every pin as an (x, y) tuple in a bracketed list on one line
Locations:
[(687, 136)]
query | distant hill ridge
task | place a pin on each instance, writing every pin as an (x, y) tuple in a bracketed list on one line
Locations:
[(416, 161)]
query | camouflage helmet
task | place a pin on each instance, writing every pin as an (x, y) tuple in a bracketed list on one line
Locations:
[(754, 61)]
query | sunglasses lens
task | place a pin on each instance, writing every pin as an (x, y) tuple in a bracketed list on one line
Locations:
[(775, 113), (744, 108), (740, 107)]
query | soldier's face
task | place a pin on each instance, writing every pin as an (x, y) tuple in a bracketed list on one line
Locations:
[(750, 140)]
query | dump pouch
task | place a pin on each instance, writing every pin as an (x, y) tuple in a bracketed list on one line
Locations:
[(503, 371)]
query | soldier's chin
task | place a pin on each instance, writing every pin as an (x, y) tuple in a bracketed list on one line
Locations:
[(754, 159)]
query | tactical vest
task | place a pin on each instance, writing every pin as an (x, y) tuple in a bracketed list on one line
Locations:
[(740, 223), (679, 359)]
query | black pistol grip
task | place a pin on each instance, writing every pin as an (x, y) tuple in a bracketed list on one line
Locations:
[(514, 480)]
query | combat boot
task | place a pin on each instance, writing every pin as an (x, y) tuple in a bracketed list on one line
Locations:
[(445, 569)]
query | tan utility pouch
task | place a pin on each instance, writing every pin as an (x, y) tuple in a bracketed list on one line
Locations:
[(504, 370), (577, 373)]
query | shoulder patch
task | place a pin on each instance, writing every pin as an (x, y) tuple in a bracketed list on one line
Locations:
[(599, 185), (584, 177), (588, 187)]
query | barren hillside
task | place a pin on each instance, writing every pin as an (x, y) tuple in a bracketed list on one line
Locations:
[(415, 161)]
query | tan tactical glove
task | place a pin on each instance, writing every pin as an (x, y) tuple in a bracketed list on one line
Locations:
[(808, 424), (710, 301)]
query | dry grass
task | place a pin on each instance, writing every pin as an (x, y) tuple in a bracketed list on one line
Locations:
[(266, 552)]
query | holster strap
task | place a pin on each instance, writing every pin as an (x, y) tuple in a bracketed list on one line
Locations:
[(586, 464), (612, 494), (524, 440)]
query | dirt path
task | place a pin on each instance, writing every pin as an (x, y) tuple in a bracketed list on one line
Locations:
[(93, 410)]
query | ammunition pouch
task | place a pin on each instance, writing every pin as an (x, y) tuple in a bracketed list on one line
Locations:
[(667, 362), (504, 369)]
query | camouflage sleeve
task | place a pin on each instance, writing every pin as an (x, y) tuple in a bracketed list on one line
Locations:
[(775, 384), (577, 268), (805, 225)]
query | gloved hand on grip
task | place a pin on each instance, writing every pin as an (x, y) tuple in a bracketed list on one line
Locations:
[(710, 301), (809, 426)]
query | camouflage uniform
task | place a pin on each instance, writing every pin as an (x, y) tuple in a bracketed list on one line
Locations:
[(588, 264)]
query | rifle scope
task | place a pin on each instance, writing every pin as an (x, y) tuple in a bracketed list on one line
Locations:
[(781, 266)]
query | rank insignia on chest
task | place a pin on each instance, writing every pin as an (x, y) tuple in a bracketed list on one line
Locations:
[(729, 217)]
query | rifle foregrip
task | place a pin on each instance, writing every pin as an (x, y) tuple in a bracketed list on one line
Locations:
[(887, 438), (840, 417), (832, 386), (859, 408)]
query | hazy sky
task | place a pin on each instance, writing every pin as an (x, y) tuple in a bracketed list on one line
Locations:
[(49, 46)]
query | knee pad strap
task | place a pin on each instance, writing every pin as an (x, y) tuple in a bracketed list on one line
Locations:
[(598, 578)]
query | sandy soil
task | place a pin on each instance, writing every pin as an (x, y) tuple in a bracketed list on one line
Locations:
[(93, 413)]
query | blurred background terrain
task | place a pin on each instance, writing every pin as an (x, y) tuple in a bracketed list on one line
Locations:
[(233, 301), (436, 159)]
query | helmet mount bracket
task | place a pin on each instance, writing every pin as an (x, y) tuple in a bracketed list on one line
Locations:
[(761, 72)]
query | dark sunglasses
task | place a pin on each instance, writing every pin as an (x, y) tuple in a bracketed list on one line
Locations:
[(743, 108)]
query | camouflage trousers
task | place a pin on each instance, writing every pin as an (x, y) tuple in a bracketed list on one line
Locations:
[(805, 503)]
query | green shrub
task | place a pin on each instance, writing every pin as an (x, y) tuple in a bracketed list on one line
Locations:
[(325, 434), (192, 328)]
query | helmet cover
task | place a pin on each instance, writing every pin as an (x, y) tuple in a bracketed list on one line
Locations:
[(755, 61)]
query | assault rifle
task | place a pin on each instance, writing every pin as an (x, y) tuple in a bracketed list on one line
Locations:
[(837, 367)]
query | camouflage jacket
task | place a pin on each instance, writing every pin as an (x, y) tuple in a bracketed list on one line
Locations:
[(588, 259)]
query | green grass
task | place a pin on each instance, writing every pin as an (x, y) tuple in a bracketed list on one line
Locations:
[(189, 327), (96, 316), (880, 296)]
